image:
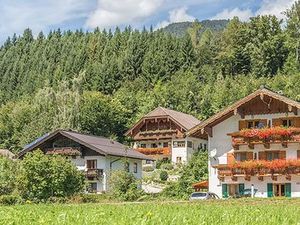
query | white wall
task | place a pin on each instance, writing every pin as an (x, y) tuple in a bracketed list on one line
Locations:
[(222, 142), (104, 162)]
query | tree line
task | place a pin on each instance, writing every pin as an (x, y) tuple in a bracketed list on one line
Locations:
[(101, 82)]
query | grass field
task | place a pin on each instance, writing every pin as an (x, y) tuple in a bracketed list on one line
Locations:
[(275, 211)]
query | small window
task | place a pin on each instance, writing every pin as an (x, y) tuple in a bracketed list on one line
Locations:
[(178, 160), (205, 147), (201, 146), (272, 156), (190, 144), (241, 156), (91, 164), (165, 144), (287, 123), (143, 145), (148, 161), (178, 144), (92, 187), (135, 167), (153, 145), (126, 166)]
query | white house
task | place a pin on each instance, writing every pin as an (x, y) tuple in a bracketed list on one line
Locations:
[(161, 135), (254, 145), (95, 156)]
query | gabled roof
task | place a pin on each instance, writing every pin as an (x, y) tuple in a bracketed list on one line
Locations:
[(184, 120), (233, 108), (101, 145)]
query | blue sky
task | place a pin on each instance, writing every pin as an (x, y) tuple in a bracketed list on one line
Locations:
[(17, 15)]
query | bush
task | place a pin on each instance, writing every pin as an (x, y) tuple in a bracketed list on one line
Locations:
[(43, 177), (10, 199), (159, 162), (167, 166), (8, 172), (124, 186), (163, 175), (148, 168)]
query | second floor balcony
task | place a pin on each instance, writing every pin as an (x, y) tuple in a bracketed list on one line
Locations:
[(265, 136), (155, 151), (94, 173), (259, 168)]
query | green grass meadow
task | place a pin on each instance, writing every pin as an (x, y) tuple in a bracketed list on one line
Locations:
[(262, 211)]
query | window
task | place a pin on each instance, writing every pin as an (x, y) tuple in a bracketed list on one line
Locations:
[(126, 166), (153, 145), (135, 167), (241, 156), (287, 123), (255, 124), (92, 188), (178, 159), (165, 144), (272, 155), (190, 144), (148, 161), (178, 144), (205, 147), (91, 164), (201, 146), (143, 145)]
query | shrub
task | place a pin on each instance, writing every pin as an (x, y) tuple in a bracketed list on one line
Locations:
[(124, 186), (163, 175), (43, 176), (8, 172), (159, 162), (167, 166), (10, 199), (148, 168)]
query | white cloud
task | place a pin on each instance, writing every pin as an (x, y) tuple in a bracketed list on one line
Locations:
[(176, 15), (111, 13), (243, 15), (274, 7), (38, 15)]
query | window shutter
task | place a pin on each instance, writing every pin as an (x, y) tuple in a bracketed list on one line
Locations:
[(282, 154), (270, 190), (288, 190), (298, 154), (249, 155), (241, 189), (224, 190), (296, 122), (242, 124), (262, 156), (230, 158), (276, 122)]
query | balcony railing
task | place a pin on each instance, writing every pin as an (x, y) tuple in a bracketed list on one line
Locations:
[(259, 168), (155, 151), (265, 136), (69, 151), (94, 173)]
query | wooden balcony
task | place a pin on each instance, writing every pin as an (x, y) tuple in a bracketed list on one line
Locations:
[(260, 169), (94, 173), (68, 151), (265, 136), (155, 151)]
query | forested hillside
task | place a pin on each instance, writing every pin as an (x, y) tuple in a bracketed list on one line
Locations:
[(101, 82), (180, 29)]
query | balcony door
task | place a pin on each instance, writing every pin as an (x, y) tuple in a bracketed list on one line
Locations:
[(91, 164)]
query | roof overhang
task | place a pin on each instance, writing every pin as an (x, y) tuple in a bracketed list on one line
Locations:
[(207, 125)]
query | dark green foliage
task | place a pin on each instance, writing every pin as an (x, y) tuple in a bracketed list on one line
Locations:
[(124, 186), (43, 177), (8, 174), (10, 199), (163, 175)]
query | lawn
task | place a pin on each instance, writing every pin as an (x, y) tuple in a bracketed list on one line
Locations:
[(275, 211)]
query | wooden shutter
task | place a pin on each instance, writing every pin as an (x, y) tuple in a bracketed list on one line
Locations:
[(282, 154), (270, 190), (249, 155), (298, 154), (242, 124), (287, 190), (296, 122), (262, 155), (225, 190), (230, 158), (276, 122)]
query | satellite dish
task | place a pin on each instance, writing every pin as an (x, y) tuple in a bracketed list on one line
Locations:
[(213, 153)]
